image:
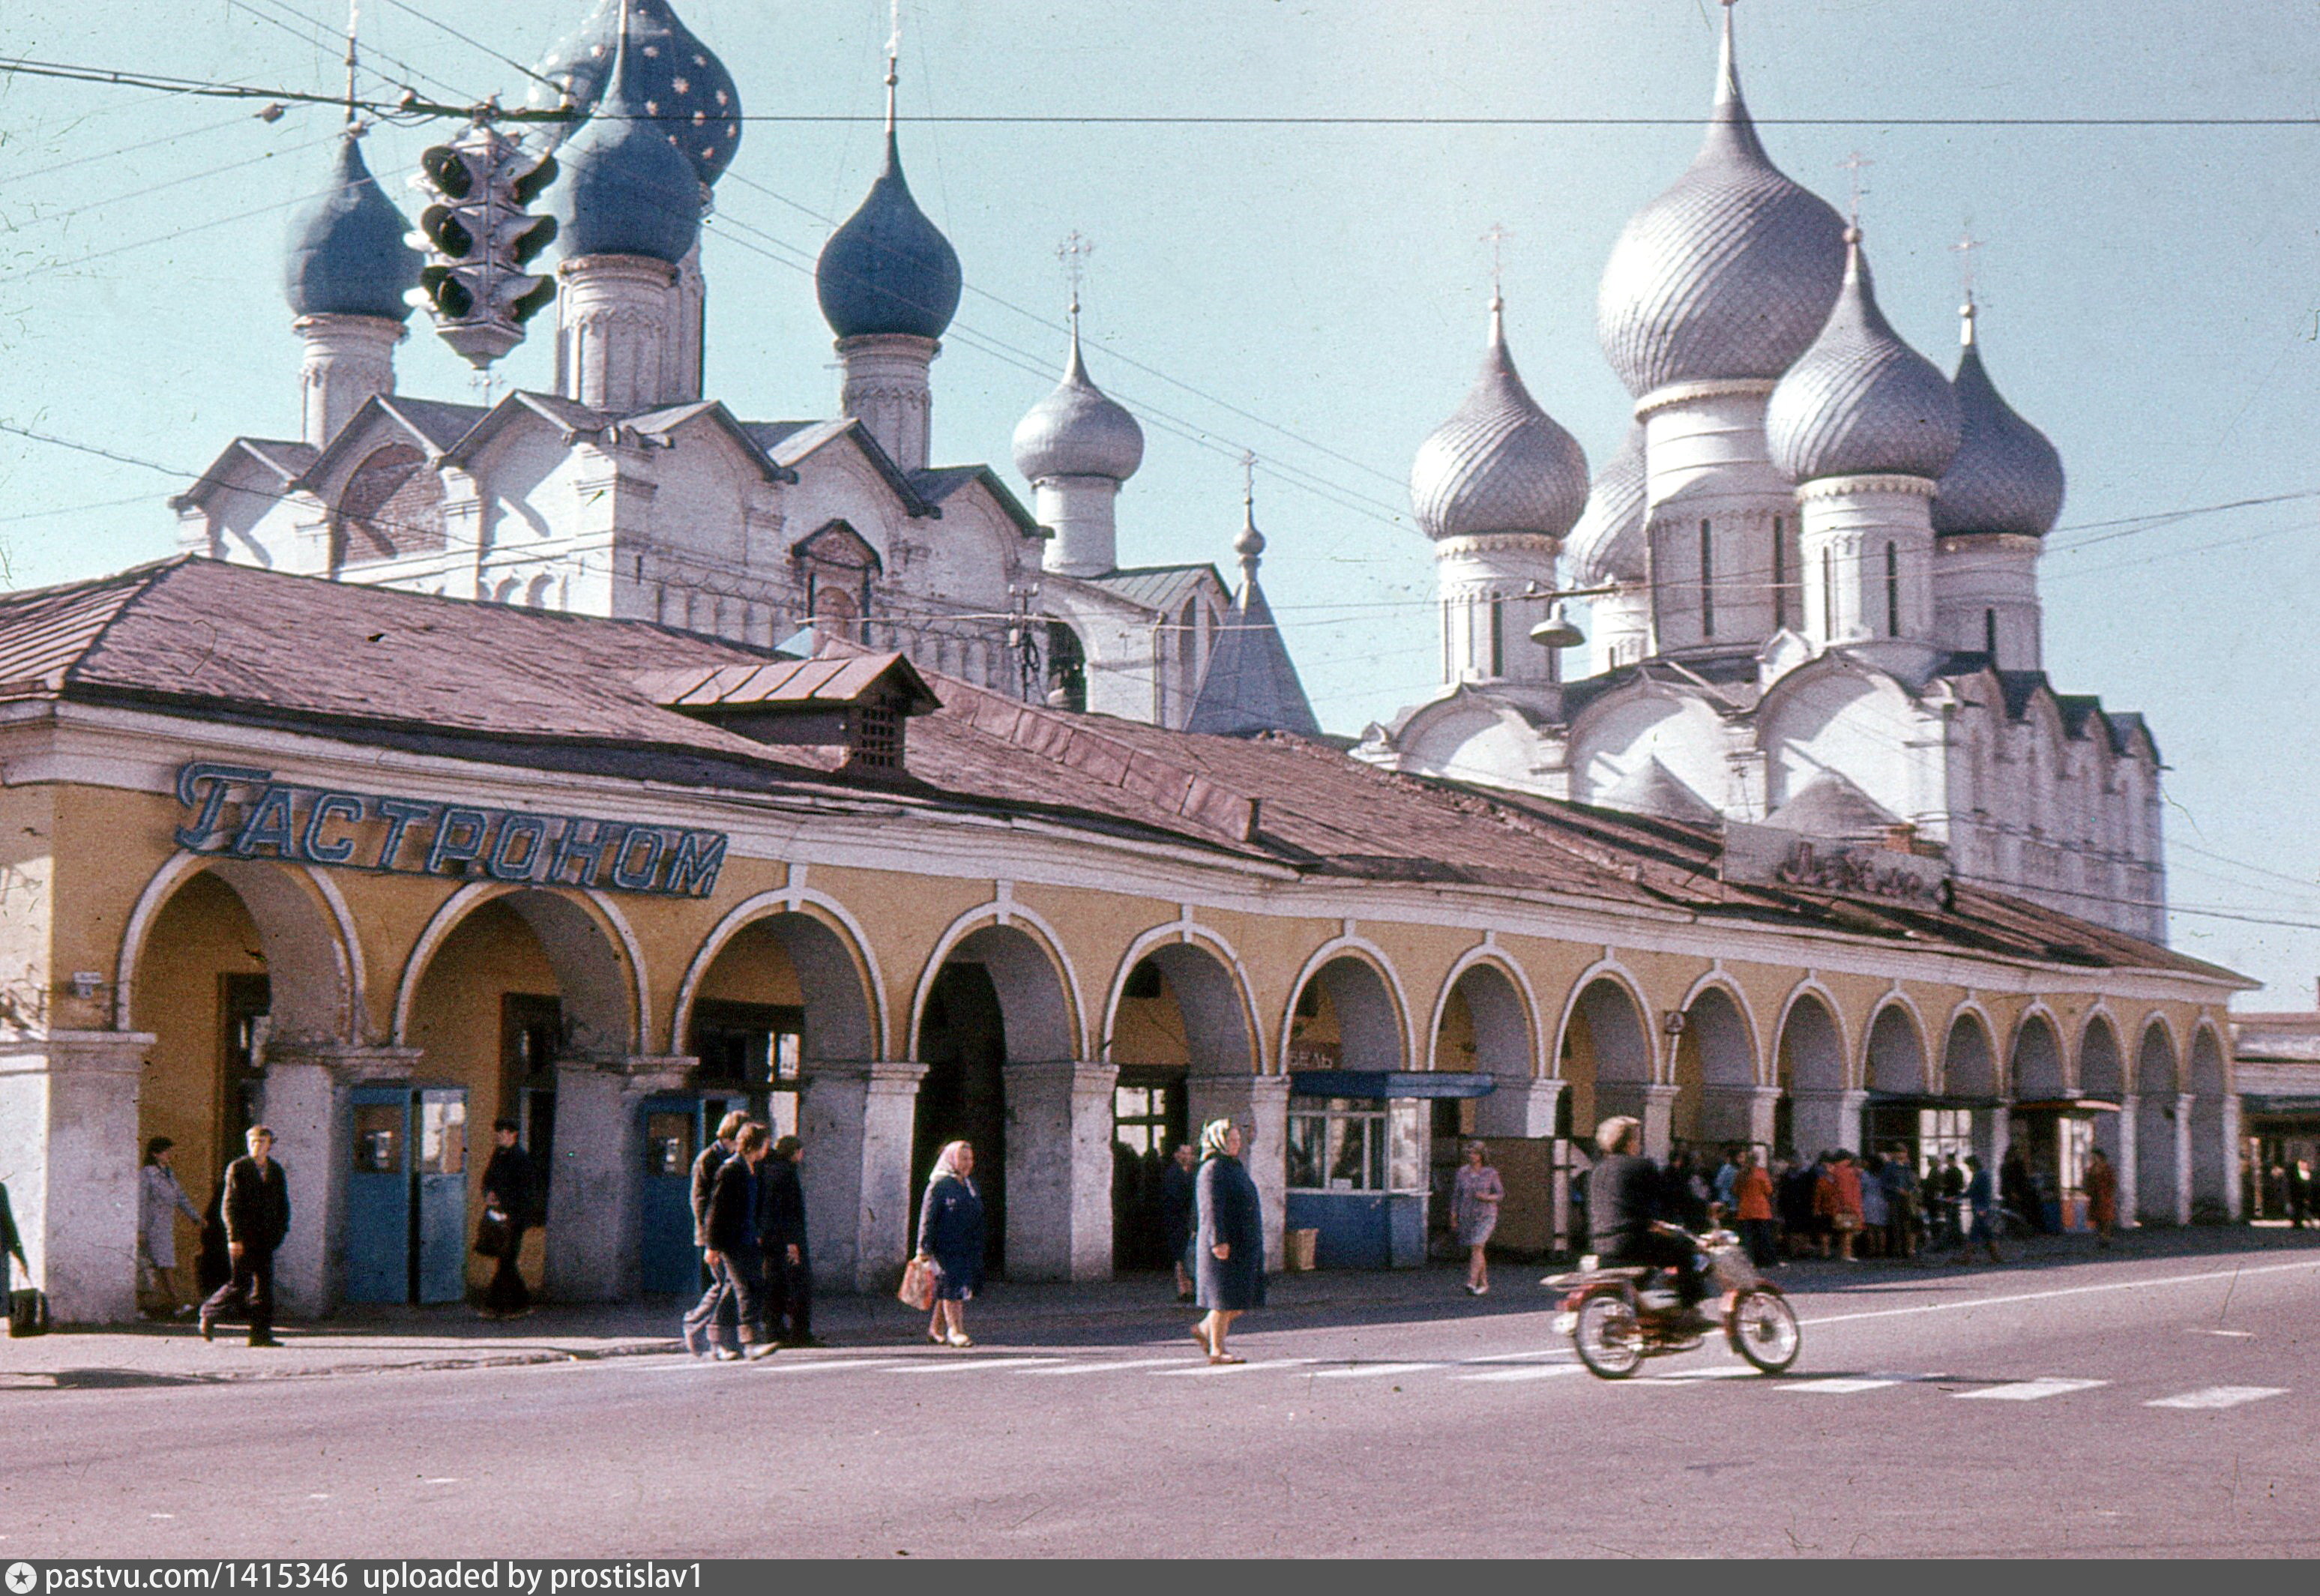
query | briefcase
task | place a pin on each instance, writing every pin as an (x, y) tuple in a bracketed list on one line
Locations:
[(28, 1312)]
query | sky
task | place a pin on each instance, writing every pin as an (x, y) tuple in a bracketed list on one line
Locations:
[(1314, 292)]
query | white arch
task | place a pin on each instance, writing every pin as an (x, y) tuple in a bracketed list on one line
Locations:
[(474, 895), (1897, 1001), (1186, 930), (1610, 969), (1488, 952), (1719, 980), (2100, 1014), (1366, 952), (250, 881), (2157, 1017), (1845, 1052), (793, 898), (1002, 911)]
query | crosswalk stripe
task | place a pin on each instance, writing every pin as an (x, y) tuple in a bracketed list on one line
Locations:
[(1840, 1385), (1373, 1371), (2219, 1396), (1272, 1363), (2029, 1390), (1716, 1371), (776, 1366), (1521, 1357), (1099, 1368), (1536, 1371), (929, 1366)]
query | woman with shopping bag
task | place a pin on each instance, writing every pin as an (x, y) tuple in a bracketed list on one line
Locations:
[(950, 1241)]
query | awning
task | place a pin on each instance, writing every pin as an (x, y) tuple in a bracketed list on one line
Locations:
[(1922, 1099), (2279, 1102), (2068, 1105), (1377, 1085)]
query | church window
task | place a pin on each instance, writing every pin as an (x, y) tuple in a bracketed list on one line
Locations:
[(1067, 668), (1706, 584), (1989, 636), (391, 506), (1893, 591), (1827, 595), (1497, 636), (1780, 577)]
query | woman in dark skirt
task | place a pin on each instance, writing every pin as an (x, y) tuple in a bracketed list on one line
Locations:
[(950, 1233), (1229, 1246)]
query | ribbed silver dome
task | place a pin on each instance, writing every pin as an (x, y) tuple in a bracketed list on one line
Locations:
[(1728, 275), (2006, 477), (1861, 401), (1077, 431), (1500, 464), (1608, 543)]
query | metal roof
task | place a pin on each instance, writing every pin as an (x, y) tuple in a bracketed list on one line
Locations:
[(825, 681)]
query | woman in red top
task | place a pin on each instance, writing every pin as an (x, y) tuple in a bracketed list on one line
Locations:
[(1838, 1199), (2102, 1196), (1751, 1188)]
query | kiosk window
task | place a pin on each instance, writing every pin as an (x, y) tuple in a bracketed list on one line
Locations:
[(378, 1139), (1348, 1145), (442, 1136), (668, 1144)]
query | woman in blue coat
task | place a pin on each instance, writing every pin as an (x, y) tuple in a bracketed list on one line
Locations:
[(1229, 1246), (950, 1234)]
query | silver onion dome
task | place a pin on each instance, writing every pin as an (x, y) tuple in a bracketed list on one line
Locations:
[(1728, 275), (1861, 401), (681, 83), (2006, 477), (1608, 543), (1077, 431), (1500, 464)]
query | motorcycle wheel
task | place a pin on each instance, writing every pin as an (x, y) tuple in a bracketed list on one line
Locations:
[(1608, 1339), (1764, 1331)]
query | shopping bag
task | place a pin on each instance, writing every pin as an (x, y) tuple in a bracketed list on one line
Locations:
[(28, 1312), (920, 1277), (491, 1233)]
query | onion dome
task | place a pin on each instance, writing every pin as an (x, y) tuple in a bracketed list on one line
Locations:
[(1076, 430), (1861, 401), (888, 269), (1728, 275), (1500, 464), (348, 257), (1608, 543), (2006, 477), (625, 190), (678, 79)]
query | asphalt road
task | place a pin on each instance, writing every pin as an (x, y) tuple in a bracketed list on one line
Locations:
[(2157, 1406)]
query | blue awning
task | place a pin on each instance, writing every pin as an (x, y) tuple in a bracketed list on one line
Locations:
[(2279, 1102), (1381, 1084)]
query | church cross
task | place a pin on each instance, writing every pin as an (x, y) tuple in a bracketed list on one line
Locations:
[(1074, 253), (1497, 239), (1965, 246), (1855, 165)]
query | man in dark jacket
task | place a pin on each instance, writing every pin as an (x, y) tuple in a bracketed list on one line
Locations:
[(1624, 1195), (780, 1230), (12, 1246), (1177, 1186), (255, 1208), (736, 1205), (508, 1187), (714, 1311)]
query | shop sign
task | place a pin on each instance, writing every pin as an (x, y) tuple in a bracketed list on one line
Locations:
[(1767, 856), (244, 814)]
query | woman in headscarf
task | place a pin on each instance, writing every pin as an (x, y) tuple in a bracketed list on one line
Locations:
[(950, 1235), (1474, 1200), (1229, 1240)]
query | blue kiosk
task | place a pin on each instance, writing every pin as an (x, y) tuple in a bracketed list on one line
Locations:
[(406, 1238), (1357, 1161)]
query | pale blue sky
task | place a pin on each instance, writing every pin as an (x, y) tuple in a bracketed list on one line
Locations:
[(2151, 295)]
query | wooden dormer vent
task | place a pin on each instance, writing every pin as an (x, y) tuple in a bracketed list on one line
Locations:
[(862, 704)]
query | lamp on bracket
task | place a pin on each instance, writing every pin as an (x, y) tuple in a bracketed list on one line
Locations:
[(1558, 630)]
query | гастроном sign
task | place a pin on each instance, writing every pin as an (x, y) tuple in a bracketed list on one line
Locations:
[(247, 815)]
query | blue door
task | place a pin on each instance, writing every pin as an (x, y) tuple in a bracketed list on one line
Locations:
[(377, 1243), (439, 1263), (669, 1265)]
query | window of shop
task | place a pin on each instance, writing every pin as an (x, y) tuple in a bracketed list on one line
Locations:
[(758, 1048), (1354, 1145), (1944, 1131)]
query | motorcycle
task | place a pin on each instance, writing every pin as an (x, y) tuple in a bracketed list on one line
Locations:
[(1618, 1317)]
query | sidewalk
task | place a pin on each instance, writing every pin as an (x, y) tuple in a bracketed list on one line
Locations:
[(380, 1341)]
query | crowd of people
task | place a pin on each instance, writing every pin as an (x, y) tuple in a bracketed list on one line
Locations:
[(748, 1219)]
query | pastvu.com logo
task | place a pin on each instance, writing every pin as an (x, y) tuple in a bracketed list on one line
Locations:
[(21, 1578)]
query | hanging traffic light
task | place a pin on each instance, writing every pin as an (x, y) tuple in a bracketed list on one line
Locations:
[(479, 238)]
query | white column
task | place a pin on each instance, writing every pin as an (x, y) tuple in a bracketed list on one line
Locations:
[(618, 343), (594, 1231), (2114, 1135), (889, 390), (68, 1153), (1082, 511), (1739, 1113), (2183, 1157), (1472, 574), (1651, 1104), (1524, 1108), (1856, 596), (347, 359), (306, 1106), (1059, 1170), (856, 1122), (1259, 1105), (1709, 463), (1986, 581), (1821, 1121)]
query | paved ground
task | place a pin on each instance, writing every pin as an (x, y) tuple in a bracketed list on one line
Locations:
[(2158, 1402)]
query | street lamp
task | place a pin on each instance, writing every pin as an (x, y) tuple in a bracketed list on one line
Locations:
[(1558, 630)]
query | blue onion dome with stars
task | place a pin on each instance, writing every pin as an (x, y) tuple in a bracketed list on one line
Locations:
[(888, 269), (678, 80), (1730, 274), (624, 189), (1500, 464), (348, 257), (2006, 477), (1860, 402)]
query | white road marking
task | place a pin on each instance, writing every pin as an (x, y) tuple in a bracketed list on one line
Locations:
[(1715, 1372), (440, 1480), (774, 1366), (2210, 1277), (2029, 1390), (2219, 1396), (1103, 1368), (1840, 1385), (2241, 1333), (929, 1366), (1520, 1357), (1537, 1372), (1373, 1371), (1265, 1363)]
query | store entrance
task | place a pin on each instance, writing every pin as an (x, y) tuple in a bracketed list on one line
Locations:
[(1151, 1116)]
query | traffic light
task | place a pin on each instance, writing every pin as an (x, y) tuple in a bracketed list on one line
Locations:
[(479, 238)]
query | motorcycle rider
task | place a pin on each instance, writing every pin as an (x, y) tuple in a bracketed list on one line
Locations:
[(1623, 1204)]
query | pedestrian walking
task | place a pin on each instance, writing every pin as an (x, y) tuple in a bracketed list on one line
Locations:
[(1752, 1192), (2299, 1193), (12, 1244), (1800, 1209), (159, 1200), (1902, 1221), (255, 1204), (712, 1324), (1875, 1215), (1836, 1202), (1176, 1215), (789, 1263), (509, 1191), (1728, 1178), (950, 1237), (1229, 1217), (1982, 1203), (2102, 1195), (1475, 1199), (736, 1207), (1953, 1180)]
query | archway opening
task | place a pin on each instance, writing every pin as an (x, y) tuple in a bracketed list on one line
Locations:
[(2215, 1153), (1976, 1122), (1346, 1018), (1606, 1057), (2102, 1076), (1894, 1072), (2160, 1190), (1812, 1080), (783, 994), (1715, 1076), (1180, 1013), (2045, 1156)]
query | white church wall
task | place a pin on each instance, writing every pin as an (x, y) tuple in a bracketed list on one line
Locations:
[(1861, 726), (1615, 741)]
